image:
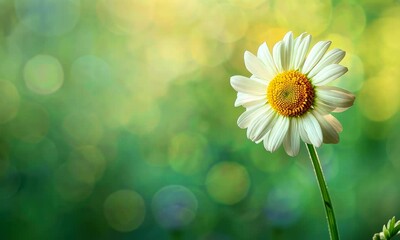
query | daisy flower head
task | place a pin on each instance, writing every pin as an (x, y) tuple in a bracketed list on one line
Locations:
[(287, 98)]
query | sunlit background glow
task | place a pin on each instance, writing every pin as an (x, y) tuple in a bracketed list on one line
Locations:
[(117, 121)]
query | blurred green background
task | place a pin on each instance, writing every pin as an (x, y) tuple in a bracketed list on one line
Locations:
[(117, 121)]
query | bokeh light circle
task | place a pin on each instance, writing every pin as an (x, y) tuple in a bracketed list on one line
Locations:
[(227, 182), (349, 19), (312, 16), (379, 98), (171, 51), (43, 74), (184, 13), (9, 103), (124, 210), (91, 72), (248, 3), (48, 17), (203, 50), (174, 206), (125, 16), (226, 23)]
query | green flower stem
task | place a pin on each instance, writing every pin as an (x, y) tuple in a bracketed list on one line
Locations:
[(330, 215)]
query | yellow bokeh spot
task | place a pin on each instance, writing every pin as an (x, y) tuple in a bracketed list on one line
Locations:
[(171, 51), (379, 98), (382, 32), (226, 23), (124, 210), (340, 41), (227, 182), (348, 19), (43, 74), (312, 16), (125, 16), (207, 52), (248, 3), (9, 103), (263, 32), (177, 13)]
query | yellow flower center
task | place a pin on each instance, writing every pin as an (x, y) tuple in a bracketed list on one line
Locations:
[(290, 93)]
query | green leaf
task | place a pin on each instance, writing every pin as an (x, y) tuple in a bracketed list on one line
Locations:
[(391, 229), (386, 232), (391, 225), (376, 237), (397, 228)]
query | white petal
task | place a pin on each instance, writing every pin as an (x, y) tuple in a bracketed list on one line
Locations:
[(334, 123), (328, 74), (323, 107), (287, 63), (301, 52), (298, 40), (265, 125), (315, 55), (277, 134), (256, 66), (248, 85), (329, 133), (248, 100), (292, 139), (334, 56), (265, 56), (302, 130), (277, 52), (260, 126), (313, 129), (249, 115), (335, 97)]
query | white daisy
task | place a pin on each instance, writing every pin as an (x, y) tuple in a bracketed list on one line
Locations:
[(286, 98)]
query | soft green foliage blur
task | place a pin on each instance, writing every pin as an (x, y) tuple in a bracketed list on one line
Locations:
[(117, 121)]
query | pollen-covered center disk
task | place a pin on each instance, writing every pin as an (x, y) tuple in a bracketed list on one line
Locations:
[(290, 93)]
